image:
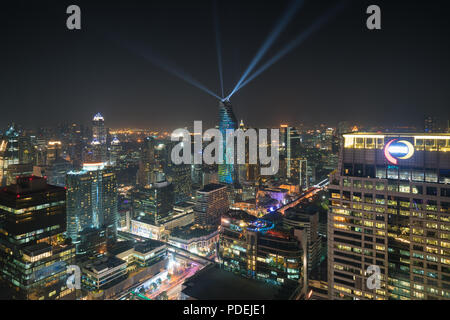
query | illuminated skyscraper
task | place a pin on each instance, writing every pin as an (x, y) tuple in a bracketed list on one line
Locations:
[(114, 152), (147, 163), (210, 202), (98, 144), (180, 176), (153, 203), (92, 200), (227, 120), (9, 152), (33, 252), (389, 208)]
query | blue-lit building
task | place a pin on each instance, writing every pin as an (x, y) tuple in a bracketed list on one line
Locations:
[(92, 200), (227, 120)]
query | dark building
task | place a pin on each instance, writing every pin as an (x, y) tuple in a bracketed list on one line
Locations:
[(154, 203), (33, 252)]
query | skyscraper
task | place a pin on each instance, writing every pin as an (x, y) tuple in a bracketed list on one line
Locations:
[(153, 203), (147, 163), (389, 209), (92, 200), (430, 124), (33, 251), (180, 176), (9, 152), (227, 120), (210, 202), (98, 144), (114, 152)]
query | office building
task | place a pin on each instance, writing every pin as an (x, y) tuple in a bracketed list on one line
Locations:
[(9, 152), (99, 135), (33, 251), (210, 202), (154, 203), (92, 200), (389, 208), (227, 120), (180, 175)]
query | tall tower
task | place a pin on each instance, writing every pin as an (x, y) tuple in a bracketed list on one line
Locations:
[(227, 120), (92, 200), (99, 138), (9, 152)]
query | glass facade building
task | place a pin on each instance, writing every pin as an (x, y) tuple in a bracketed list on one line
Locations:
[(227, 120), (92, 200), (33, 251)]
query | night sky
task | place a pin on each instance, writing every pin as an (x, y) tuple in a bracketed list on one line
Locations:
[(392, 76)]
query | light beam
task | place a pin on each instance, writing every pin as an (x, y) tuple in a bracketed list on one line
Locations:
[(168, 66), (295, 43), (218, 44), (281, 25)]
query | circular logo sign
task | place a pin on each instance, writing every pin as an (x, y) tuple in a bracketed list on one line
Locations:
[(398, 149)]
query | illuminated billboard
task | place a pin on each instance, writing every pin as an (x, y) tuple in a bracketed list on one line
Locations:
[(397, 149)]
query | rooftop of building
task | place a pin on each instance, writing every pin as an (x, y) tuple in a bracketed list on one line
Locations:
[(398, 134), (184, 205), (192, 231), (239, 215), (121, 246), (104, 263), (212, 187), (28, 185), (148, 246), (214, 283), (37, 249)]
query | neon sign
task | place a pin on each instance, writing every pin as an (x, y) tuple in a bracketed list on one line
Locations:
[(398, 150)]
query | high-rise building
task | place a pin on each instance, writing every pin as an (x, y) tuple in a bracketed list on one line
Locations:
[(180, 176), (210, 202), (147, 163), (33, 251), (430, 125), (9, 152), (114, 152), (54, 149), (153, 203), (227, 120), (389, 209), (306, 217), (98, 143), (92, 200)]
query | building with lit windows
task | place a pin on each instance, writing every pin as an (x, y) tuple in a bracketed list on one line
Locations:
[(153, 203), (9, 153), (390, 207), (257, 249), (180, 175), (227, 120), (210, 202), (33, 251), (92, 200), (99, 135)]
